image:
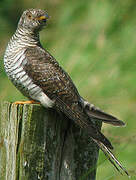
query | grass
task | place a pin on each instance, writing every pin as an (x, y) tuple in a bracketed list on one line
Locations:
[(95, 43)]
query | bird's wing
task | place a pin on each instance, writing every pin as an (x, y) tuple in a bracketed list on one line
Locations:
[(57, 85), (47, 74)]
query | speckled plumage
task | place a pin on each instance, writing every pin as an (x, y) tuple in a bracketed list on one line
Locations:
[(39, 77)]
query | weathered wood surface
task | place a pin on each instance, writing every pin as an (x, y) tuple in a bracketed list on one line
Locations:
[(39, 144)]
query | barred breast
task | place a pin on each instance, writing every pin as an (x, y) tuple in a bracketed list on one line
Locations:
[(14, 61)]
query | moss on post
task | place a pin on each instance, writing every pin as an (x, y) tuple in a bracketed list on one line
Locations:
[(40, 144)]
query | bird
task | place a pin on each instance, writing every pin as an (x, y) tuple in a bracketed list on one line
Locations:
[(39, 77)]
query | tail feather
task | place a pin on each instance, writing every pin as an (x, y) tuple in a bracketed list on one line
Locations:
[(98, 114), (98, 136), (76, 114), (111, 157)]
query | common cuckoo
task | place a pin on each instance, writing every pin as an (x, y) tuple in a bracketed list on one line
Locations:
[(37, 74)]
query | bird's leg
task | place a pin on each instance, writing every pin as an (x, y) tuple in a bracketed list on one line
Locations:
[(26, 102)]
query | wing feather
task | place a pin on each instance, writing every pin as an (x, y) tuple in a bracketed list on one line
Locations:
[(57, 85)]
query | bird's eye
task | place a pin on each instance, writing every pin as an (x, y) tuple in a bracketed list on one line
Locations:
[(29, 15)]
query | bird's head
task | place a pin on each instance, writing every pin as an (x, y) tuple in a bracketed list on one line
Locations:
[(33, 19)]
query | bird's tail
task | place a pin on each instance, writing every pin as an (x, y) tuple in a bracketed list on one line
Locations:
[(80, 118), (111, 157), (96, 113)]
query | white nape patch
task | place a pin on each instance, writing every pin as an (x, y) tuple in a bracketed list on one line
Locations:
[(44, 100)]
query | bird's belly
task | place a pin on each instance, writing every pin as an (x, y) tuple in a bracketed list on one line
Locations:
[(26, 86), (18, 76)]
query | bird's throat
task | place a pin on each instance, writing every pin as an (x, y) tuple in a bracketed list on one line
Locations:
[(26, 37)]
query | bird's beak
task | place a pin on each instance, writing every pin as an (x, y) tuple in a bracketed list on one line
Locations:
[(43, 17)]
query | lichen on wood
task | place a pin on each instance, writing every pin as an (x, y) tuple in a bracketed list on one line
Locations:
[(40, 144)]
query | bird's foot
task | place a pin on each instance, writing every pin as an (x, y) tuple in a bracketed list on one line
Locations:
[(26, 102)]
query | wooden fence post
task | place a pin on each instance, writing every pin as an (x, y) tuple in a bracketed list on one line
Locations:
[(38, 144)]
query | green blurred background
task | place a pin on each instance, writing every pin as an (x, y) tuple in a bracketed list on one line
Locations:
[(95, 41)]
